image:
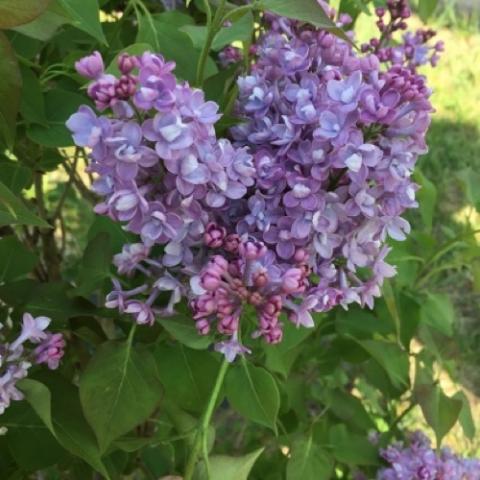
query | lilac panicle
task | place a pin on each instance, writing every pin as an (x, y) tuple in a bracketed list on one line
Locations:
[(291, 216)]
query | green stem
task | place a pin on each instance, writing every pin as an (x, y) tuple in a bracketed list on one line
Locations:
[(205, 422), (213, 29)]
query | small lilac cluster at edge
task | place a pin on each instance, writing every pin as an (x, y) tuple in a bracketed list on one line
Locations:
[(417, 460), (16, 357)]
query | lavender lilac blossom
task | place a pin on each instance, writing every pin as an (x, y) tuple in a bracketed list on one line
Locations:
[(418, 461), (292, 217), (16, 357)]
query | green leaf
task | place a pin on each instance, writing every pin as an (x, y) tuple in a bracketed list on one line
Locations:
[(233, 468), (58, 406), (10, 88), (437, 312), (59, 105), (281, 357), (159, 459), (30, 442), (32, 105), (16, 260), (350, 448), (85, 15), (348, 408), (466, 418), (252, 391), (174, 45), (440, 412), (18, 12), (14, 212), (470, 179), (117, 235), (46, 25), (308, 11), (427, 198), (183, 329), (426, 8), (15, 176), (95, 264), (391, 358), (118, 390), (187, 375), (360, 323), (308, 461), (53, 300), (353, 8)]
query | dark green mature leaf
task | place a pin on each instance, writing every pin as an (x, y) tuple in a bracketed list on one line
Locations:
[(53, 300), (304, 10), (10, 87), (466, 418), (348, 408), (95, 265), (391, 358), (59, 105), (85, 15), (118, 390), (15, 176), (360, 323), (440, 412), (15, 259), (174, 45), (30, 442), (18, 12), (182, 328), (309, 461), (159, 459), (280, 357), (252, 391), (187, 375), (14, 212), (223, 467), (71, 429), (118, 236), (437, 312), (350, 448), (32, 105)]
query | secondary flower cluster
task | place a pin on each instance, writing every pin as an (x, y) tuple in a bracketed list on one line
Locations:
[(418, 461), (293, 216), (16, 357), (413, 51)]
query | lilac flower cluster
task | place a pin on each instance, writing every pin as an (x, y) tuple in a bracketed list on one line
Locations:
[(418, 461), (292, 217), (16, 358), (413, 51)]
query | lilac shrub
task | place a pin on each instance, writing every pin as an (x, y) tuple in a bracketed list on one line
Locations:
[(17, 356), (292, 215)]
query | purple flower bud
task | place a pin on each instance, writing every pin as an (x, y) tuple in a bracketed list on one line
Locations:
[(50, 351), (90, 66), (214, 235)]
